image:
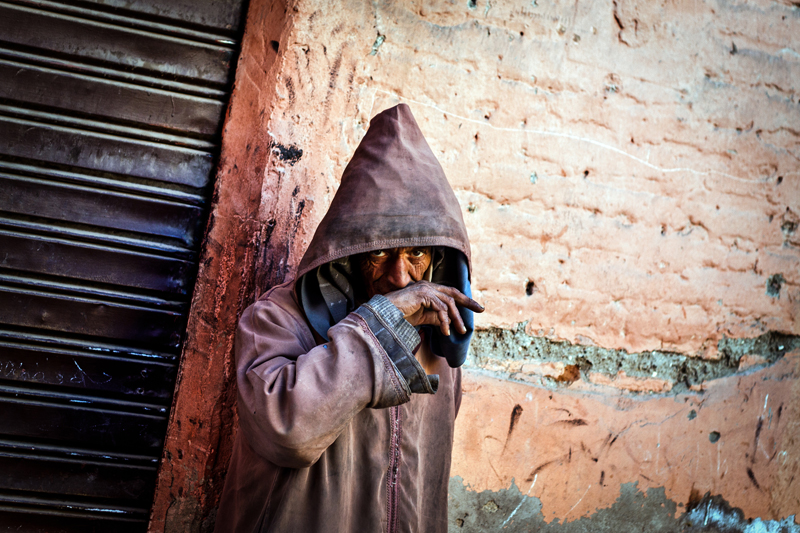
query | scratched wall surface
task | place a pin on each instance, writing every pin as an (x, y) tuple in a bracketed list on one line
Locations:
[(633, 166), (629, 176)]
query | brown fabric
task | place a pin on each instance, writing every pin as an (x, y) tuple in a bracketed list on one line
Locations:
[(329, 437), (393, 193)]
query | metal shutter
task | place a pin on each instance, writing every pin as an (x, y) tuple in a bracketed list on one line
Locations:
[(110, 113)]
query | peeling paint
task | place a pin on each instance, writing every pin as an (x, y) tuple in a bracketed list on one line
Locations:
[(508, 351), (651, 511)]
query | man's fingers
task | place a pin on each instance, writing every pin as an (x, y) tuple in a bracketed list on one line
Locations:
[(454, 314), (436, 311), (446, 310), (461, 298), (433, 304), (444, 322), (443, 313)]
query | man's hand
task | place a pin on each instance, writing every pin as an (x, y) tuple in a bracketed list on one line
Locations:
[(424, 303)]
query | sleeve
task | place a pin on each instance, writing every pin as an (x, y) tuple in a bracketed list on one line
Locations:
[(457, 391), (295, 401), (398, 338)]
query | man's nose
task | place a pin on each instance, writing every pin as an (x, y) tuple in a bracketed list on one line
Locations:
[(399, 274)]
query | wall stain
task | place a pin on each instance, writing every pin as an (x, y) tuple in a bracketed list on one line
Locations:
[(291, 154), (511, 511), (752, 477), (516, 413), (577, 422), (759, 425), (545, 465), (774, 284), (494, 348)]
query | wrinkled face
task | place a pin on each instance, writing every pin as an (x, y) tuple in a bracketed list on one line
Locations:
[(391, 269)]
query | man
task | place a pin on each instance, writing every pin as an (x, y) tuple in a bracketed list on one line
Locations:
[(341, 428)]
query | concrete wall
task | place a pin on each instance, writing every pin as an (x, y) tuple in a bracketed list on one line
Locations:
[(630, 181)]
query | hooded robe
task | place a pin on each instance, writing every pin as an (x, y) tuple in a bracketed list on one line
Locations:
[(340, 428)]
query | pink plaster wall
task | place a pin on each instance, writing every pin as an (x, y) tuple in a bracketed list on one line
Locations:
[(620, 155), (573, 449), (635, 160)]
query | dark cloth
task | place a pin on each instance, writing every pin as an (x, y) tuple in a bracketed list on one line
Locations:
[(350, 434)]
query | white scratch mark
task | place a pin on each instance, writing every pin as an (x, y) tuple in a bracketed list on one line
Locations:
[(696, 460), (789, 51), (250, 79), (766, 399), (521, 502), (86, 376), (574, 138), (761, 447), (576, 503), (658, 450)]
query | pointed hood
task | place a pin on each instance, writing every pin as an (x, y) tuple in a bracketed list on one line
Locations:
[(393, 194)]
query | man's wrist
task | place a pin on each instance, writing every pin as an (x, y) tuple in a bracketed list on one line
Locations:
[(395, 320), (399, 339)]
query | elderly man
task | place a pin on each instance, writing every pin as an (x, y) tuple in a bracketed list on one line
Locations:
[(349, 379)]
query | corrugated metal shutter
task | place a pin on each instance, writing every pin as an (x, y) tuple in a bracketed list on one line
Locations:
[(110, 112)]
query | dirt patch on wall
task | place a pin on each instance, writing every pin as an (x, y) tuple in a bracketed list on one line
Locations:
[(512, 510), (520, 356)]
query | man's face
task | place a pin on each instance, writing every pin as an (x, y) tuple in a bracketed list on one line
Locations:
[(391, 269)]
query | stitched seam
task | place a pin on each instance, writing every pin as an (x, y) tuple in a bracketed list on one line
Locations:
[(387, 365), (389, 329), (388, 314), (389, 473), (391, 370), (418, 370), (394, 468), (265, 519), (398, 438), (390, 243), (406, 384)]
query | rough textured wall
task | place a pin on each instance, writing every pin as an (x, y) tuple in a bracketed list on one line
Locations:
[(629, 171), (630, 180)]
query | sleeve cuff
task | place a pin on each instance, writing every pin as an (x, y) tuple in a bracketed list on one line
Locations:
[(398, 338)]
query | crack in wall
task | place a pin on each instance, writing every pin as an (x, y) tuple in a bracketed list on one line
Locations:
[(569, 136), (507, 350)]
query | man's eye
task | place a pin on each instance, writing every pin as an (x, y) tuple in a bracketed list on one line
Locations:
[(377, 253), (418, 253)]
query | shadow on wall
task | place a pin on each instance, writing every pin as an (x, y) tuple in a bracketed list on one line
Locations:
[(512, 511)]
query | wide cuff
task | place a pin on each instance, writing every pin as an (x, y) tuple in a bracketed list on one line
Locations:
[(398, 338)]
